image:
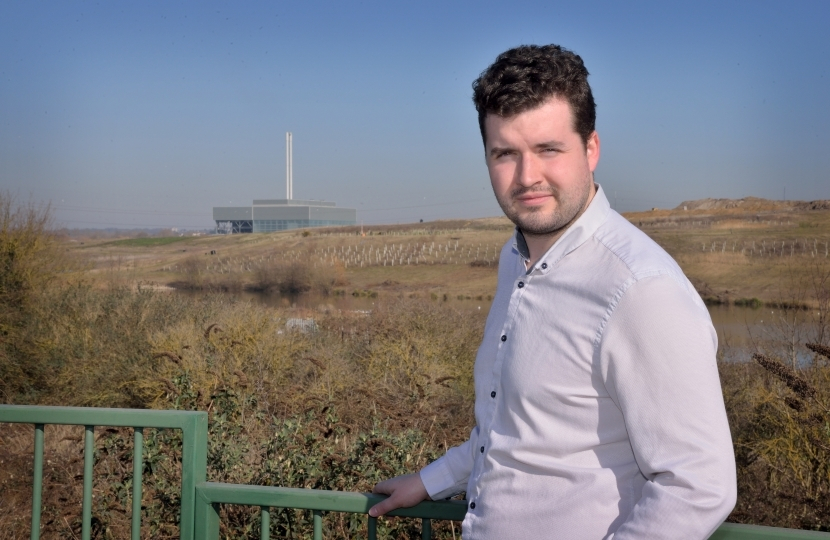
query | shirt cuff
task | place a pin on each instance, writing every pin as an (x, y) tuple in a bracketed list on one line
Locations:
[(439, 480)]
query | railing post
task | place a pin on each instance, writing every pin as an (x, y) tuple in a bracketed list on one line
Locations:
[(373, 528), (206, 518), (37, 483), (318, 525), (426, 529), (138, 466), (265, 523), (89, 455), (194, 471)]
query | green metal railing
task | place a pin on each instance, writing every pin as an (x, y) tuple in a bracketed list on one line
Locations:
[(194, 453), (209, 495), (201, 500)]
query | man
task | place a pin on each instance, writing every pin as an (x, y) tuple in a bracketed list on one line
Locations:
[(598, 406)]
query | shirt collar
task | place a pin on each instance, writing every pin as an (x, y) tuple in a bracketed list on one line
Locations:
[(580, 231)]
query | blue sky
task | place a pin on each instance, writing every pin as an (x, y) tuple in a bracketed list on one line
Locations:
[(148, 114)]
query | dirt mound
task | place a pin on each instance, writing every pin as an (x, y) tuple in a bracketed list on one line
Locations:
[(753, 204)]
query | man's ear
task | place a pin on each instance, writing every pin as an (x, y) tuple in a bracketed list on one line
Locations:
[(592, 150)]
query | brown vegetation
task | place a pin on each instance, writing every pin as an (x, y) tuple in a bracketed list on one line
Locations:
[(340, 403), (398, 377)]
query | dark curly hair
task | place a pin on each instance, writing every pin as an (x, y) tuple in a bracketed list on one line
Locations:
[(525, 77)]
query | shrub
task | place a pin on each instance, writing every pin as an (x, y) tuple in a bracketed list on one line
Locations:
[(31, 259), (364, 397)]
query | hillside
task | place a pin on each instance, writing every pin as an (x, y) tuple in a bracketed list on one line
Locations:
[(753, 204), (730, 249)]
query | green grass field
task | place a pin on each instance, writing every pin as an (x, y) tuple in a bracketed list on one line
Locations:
[(147, 241)]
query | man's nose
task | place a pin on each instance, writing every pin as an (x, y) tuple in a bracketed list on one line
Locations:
[(528, 170)]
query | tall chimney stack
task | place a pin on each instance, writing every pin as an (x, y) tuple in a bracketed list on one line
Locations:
[(289, 166)]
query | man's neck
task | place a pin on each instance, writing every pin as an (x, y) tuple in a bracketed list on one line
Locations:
[(539, 244)]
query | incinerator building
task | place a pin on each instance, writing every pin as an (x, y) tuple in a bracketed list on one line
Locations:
[(269, 215)]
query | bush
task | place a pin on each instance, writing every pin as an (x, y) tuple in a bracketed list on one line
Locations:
[(364, 397), (780, 421), (31, 259), (779, 414)]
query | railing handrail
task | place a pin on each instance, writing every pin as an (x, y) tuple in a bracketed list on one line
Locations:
[(210, 494), (320, 499), (99, 416), (201, 499)]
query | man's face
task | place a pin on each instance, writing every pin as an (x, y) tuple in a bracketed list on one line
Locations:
[(541, 172)]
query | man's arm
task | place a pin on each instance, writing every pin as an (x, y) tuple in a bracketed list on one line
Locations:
[(658, 356)]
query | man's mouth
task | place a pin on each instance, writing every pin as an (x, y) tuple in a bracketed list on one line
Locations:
[(533, 198)]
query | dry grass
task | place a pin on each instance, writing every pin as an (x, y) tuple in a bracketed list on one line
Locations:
[(361, 396), (779, 420), (399, 376)]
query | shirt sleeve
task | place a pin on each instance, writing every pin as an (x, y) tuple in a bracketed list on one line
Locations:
[(658, 358), (448, 475)]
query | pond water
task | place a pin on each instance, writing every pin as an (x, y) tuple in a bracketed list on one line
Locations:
[(741, 326)]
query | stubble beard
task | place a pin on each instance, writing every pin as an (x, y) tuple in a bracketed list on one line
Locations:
[(540, 222)]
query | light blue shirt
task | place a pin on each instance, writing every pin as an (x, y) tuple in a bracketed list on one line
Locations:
[(599, 412)]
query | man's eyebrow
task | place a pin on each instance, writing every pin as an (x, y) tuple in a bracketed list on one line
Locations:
[(496, 150), (550, 144), (556, 145)]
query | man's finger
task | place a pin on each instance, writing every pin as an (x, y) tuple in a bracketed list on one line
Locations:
[(381, 508), (382, 488)]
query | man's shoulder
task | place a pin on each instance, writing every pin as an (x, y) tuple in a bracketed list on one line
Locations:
[(647, 265), (641, 255)]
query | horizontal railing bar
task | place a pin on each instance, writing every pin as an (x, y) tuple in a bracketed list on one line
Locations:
[(78, 416), (318, 499), (736, 531)]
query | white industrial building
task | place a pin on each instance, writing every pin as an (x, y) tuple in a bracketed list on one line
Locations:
[(268, 215)]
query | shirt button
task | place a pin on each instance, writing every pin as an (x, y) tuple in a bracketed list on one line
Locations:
[(482, 449), (472, 506), (504, 338), (521, 284), (544, 266), (493, 393)]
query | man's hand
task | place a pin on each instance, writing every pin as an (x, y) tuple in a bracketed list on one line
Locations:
[(404, 491)]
